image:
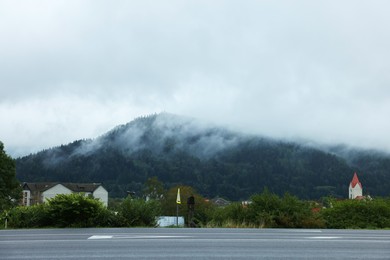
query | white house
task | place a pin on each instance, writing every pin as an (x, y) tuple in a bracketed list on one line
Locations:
[(36, 193), (355, 188)]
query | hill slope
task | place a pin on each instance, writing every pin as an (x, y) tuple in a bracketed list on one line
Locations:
[(215, 161)]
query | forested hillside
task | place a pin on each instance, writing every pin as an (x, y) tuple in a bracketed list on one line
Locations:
[(213, 160)]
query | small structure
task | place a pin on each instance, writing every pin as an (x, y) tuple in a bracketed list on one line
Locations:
[(37, 193), (220, 202), (170, 221), (355, 188)]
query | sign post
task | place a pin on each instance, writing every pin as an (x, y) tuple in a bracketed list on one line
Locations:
[(178, 201), (6, 220)]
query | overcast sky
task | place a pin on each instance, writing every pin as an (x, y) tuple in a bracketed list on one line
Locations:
[(316, 70)]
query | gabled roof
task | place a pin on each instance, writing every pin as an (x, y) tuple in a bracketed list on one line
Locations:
[(75, 187), (220, 202), (82, 187), (355, 181), (40, 186)]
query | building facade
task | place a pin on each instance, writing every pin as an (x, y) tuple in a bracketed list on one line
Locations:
[(37, 193), (355, 188)]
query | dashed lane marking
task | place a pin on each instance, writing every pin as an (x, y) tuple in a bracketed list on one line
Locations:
[(100, 237), (323, 237), (132, 237)]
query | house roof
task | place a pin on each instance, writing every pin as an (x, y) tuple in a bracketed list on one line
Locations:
[(75, 187), (220, 202), (355, 181), (82, 187), (40, 186)]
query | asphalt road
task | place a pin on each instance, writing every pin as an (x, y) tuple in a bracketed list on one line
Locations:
[(182, 243)]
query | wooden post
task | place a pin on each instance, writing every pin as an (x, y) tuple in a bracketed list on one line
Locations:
[(177, 215), (6, 220)]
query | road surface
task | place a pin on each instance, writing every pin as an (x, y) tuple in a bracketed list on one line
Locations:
[(183, 243)]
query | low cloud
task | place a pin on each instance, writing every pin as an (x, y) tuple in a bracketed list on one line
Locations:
[(73, 70)]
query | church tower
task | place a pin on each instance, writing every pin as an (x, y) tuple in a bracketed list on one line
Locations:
[(355, 188)]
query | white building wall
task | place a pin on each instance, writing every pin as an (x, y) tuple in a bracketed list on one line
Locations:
[(167, 221), (355, 192), (26, 197), (101, 194), (52, 192)]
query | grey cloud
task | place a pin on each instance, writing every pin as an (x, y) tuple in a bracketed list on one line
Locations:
[(285, 68)]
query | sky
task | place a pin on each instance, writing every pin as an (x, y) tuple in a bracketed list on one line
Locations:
[(297, 70)]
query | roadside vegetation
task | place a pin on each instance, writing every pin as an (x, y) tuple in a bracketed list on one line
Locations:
[(264, 210)]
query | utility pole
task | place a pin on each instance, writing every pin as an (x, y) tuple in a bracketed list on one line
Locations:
[(6, 220)]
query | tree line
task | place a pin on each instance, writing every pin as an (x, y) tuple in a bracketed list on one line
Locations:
[(265, 210), (234, 174), (215, 161)]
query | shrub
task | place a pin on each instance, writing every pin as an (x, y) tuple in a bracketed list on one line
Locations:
[(28, 217), (74, 210), (138, 212), (270, 211), (233, 215), (358, 214)]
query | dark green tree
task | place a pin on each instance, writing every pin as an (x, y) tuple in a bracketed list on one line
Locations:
[(154, 189), (10, 190)]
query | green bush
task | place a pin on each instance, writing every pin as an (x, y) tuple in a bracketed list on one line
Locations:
[(28, 217), (138, 212), (264, 209), (109, 218), (73, 210), (268, 210), (233, 215), (77, 210), (358, 214)]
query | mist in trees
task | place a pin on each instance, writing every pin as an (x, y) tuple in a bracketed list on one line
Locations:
[(213, 160)]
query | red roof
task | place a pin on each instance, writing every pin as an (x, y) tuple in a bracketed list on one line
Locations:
[(355, 181)]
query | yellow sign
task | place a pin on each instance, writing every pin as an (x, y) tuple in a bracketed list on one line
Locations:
[(178, 196)]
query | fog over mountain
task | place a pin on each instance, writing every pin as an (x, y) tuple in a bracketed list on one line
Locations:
[(301, 69), (216, 161), (160, 133)]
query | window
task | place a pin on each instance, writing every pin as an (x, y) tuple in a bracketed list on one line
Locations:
[(25, 198)]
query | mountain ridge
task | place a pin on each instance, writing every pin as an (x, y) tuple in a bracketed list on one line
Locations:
[(214, 160)]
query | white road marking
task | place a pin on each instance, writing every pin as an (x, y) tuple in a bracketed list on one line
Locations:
[(133, 237), (324, 237), (100, 237), (306, 230)]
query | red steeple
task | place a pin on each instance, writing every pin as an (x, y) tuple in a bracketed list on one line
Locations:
[(355, 181)]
